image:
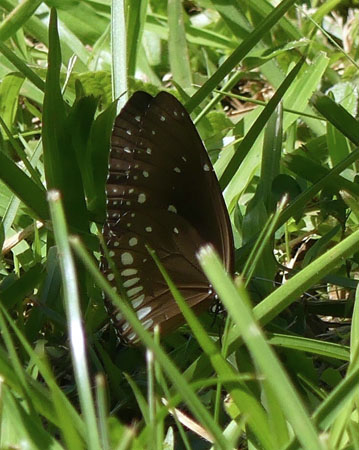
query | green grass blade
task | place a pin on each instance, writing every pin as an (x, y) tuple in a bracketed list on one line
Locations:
[(119, 53), (99, 145), (23, 187), (302, 199), (313, 172), (9, 97), (272, 151), (338, 145), (136, 18), (167, 365), (282, 297), (22, 67), (73, 313), (236, 302), (263, 8), (233, 17), (241, 395), (18, 18), (200, 36), (177, 45), (333, 406), (257, 127), (140, 399), (326, 349), (102, 411), (59, 410), (22, 155), (338, 116), (28, 431), (239, 54), (342, 419), (39, 30), (13, 293), (61, 168), (16, 363)]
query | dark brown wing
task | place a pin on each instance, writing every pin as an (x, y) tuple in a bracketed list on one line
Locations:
[(162, 191)]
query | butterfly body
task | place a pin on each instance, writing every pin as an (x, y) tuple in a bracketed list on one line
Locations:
[(161, 192)]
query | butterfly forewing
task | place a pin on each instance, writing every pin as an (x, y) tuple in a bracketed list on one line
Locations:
[(162, 192)]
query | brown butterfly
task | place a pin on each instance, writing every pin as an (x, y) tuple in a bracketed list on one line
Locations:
[(161, 191)]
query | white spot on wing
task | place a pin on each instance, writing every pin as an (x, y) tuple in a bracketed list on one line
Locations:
[(206, 168), (126, 258), (147, 324), (125, 327), (145, 173), (143, 312), (130, 282), (175, 230), (172, 208), (132, 242), (148, 229), (134, 291), (177, 169), (128, 272), (110, 277), (131, 336), (142, 198), (136, 302)]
